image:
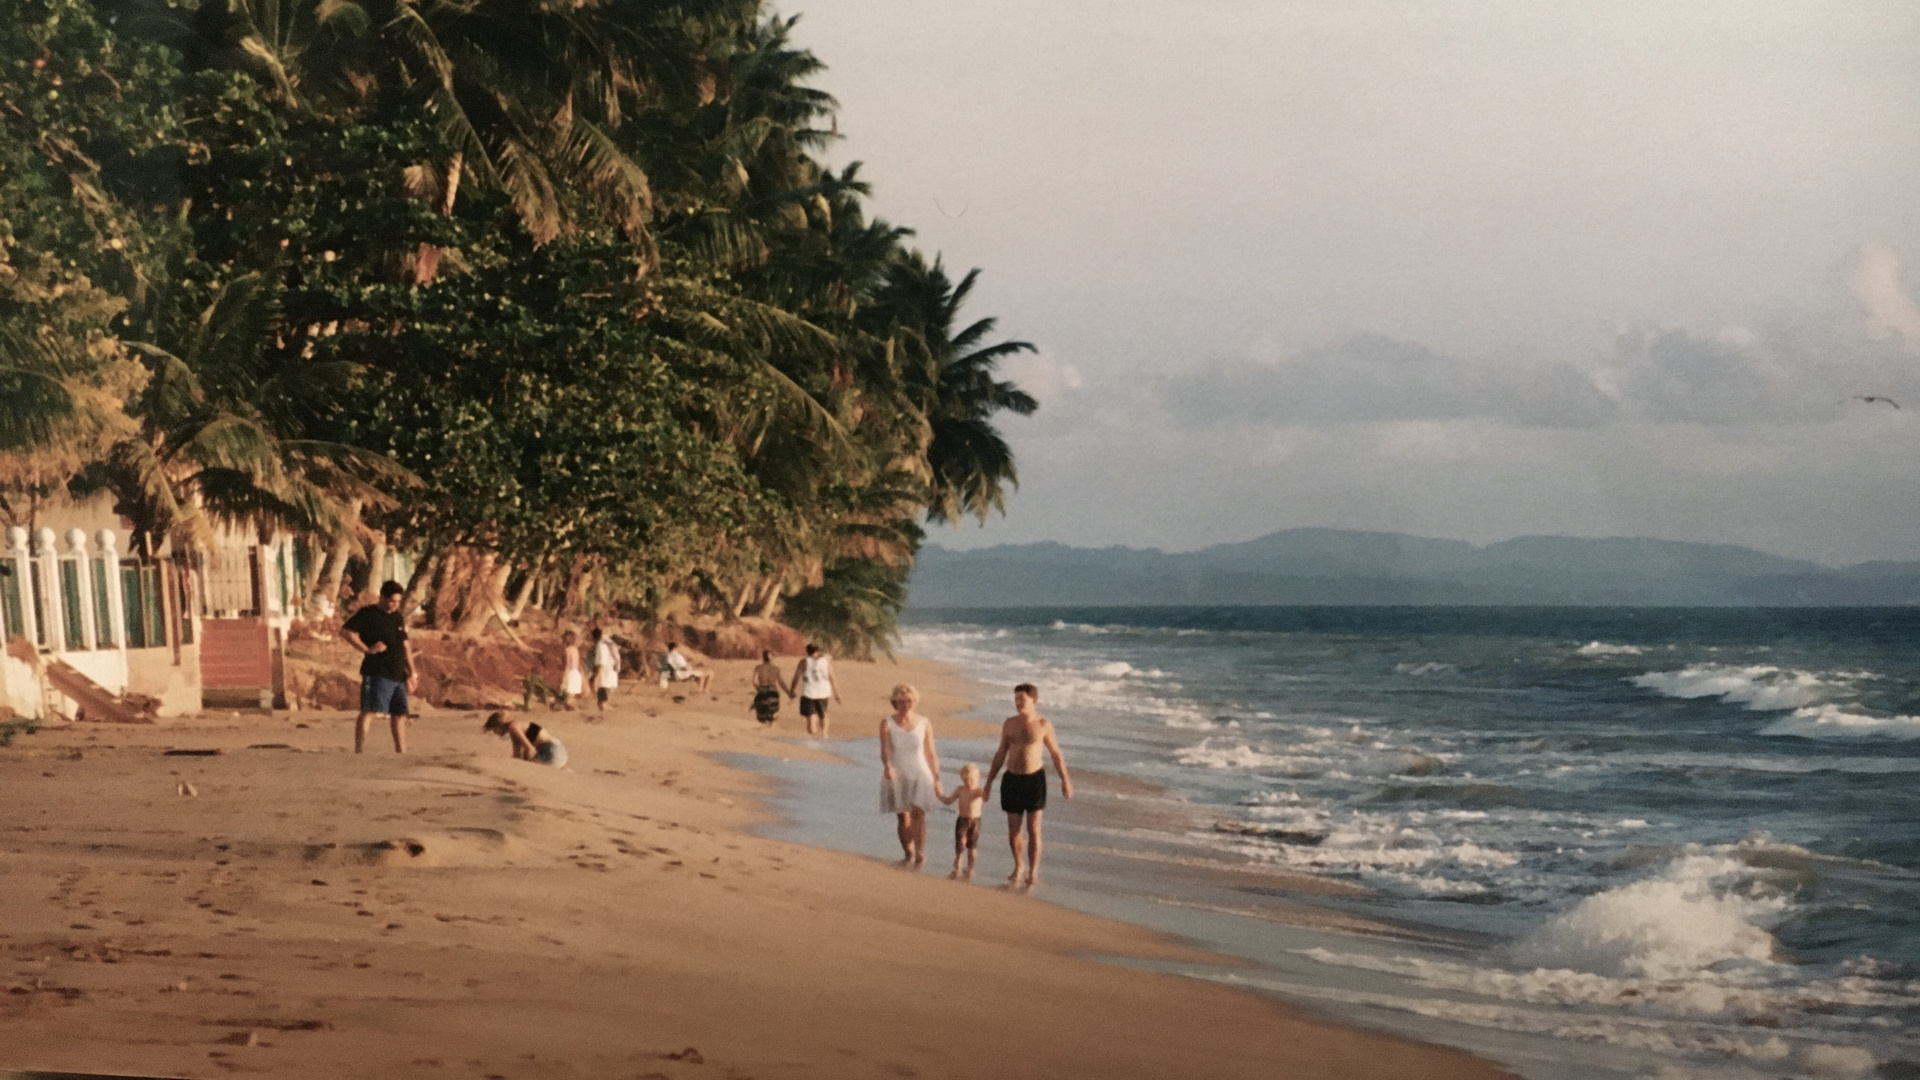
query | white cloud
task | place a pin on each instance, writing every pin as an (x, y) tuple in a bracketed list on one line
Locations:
[(1369, 377), (1876, 281), (1805, 370)]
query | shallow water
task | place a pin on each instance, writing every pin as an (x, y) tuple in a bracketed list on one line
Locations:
[(1681, 842)]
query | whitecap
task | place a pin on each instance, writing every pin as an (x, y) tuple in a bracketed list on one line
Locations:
[(1761, 687), (1823, 1059), (1233, 756), (1602, 648), (1839, 722)]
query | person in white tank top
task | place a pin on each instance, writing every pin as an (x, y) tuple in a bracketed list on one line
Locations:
[(813, 683)]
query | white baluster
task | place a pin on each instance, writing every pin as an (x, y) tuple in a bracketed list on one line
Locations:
[(50, 590), (116, 604), (22, 558), (83, 582)]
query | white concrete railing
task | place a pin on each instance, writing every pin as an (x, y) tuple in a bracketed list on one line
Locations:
[(101, 652)]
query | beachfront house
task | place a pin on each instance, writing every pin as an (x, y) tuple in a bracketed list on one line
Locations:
[(96, 631)]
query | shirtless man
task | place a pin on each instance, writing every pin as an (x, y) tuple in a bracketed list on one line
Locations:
[(1024, 795)]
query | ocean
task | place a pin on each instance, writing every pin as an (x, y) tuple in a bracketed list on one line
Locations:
[(1584, 842)]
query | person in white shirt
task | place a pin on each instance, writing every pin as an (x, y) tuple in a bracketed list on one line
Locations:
[(679, 669), (606, 667), (814, 685)]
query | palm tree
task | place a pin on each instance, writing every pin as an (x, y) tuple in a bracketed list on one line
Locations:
[(527, 93), (737, 170), (950, 376), (218, 439)]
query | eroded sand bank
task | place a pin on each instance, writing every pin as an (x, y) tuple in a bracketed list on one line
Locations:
[(306, 912)]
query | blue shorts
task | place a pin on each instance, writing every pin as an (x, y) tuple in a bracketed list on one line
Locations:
[(378, 695), (550, 753)]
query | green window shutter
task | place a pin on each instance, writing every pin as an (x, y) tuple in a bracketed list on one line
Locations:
[(183, 581), (136, 608), (154, 599), (102, 604), (70, 601), (16, 615), (39, 603)]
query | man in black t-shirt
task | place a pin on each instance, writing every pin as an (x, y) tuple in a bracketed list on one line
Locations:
[(386, 675)]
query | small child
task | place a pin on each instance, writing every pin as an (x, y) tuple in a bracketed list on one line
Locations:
[(967, 799)]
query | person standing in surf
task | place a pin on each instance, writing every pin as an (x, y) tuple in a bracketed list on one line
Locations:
[(1023, 795), (909, 773), (813, 683)]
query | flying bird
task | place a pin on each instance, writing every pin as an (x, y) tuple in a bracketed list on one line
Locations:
[(1876, 399)]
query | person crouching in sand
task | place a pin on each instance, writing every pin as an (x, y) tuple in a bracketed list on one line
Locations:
[(530, 741), (967, 800), (1024, 793)]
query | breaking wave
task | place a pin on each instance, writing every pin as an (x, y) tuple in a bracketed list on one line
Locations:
[(1840, 722), (1701, 910), (1601, 648), (1761, 687)]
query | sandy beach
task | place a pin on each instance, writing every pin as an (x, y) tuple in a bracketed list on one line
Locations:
[(269, 902)]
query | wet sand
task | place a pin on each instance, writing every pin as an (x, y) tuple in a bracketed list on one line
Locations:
[(286, 907)]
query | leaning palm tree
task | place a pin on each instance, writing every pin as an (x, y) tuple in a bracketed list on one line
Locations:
[(218, 439), (949, 373)]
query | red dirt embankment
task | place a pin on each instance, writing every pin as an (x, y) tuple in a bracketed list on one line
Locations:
[(323, 672)]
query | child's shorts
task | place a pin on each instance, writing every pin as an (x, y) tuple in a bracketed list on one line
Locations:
[(966, 834)]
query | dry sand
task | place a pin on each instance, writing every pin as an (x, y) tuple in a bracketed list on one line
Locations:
[(288, 908)]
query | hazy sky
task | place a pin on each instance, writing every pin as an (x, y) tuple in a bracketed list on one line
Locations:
[(1458, 269)]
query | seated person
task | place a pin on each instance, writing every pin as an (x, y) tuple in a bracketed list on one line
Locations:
[(674, 667), (530, 741)]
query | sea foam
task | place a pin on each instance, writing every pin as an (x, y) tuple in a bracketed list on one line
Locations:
[(1839, 722), (1601, 648), (1761, 687), (1700, 911)]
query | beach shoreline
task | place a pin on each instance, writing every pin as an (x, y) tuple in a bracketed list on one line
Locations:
[(284, 906)]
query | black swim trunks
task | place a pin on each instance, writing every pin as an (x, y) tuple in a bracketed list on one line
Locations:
[(1023, 793), (966, 834), (813, 706), (766, 704)]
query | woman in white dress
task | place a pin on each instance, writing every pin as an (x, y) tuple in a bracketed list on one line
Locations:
[(910, 772), (574, 682)]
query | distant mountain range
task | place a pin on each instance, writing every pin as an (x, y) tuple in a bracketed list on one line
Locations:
[(1337, 566)]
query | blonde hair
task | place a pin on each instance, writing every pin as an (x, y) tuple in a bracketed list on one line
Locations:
[(969, 770), (904, 688)]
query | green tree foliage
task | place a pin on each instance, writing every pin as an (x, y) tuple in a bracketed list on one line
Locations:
[(558, 297), (74, 119)]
